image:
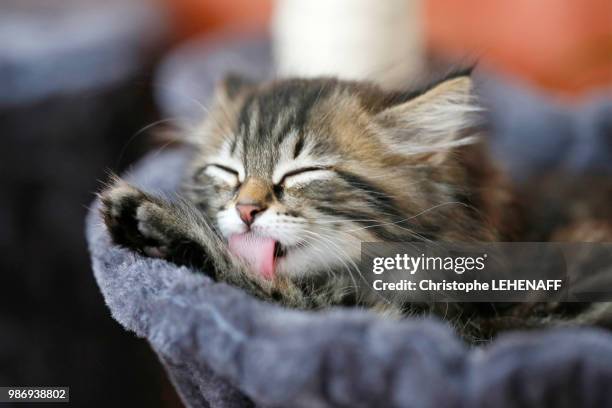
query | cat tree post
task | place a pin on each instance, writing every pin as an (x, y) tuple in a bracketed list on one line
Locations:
[(352, 39)]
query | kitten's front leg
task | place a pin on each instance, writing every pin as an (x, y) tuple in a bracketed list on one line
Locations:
[(179, 232), (155, 227)]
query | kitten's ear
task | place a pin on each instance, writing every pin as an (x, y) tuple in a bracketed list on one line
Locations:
[(431, 125), (222, 111), (232, 86)]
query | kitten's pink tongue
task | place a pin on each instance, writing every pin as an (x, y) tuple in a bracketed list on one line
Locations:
[(257, 251)]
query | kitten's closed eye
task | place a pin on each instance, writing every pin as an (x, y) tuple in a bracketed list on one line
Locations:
[(304, 175), (301, 175), (223, 173)]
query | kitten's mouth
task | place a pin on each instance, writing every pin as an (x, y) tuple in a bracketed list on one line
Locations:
[(260, 253)]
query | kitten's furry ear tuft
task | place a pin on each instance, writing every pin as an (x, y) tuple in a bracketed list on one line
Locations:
[(232, 86), (222, 111), (435, 122)]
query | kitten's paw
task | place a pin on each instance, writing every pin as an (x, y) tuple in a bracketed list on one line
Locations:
[(135, 220)]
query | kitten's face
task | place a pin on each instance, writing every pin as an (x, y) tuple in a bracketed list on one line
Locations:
[(297, 174)]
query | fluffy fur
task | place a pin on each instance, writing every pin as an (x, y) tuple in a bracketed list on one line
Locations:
[(332, 164)]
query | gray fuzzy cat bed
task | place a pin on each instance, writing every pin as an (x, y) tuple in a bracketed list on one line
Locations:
[(223, 348)]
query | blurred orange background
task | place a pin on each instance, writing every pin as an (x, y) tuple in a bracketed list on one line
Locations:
[(563, 46), (201, 16)]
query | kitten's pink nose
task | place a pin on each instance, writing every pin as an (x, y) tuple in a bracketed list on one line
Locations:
[(248, 212)]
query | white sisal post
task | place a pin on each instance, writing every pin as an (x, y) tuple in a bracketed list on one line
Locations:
[(378, 40)]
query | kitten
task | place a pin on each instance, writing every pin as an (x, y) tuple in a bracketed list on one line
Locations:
[(289, 177)]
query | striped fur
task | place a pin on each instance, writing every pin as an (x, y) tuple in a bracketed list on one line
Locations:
[(336, 164)]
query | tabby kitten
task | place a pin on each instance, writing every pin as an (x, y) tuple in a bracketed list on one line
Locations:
[(287, 178)]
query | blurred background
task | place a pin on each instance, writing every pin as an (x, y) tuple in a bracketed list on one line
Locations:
[(86, 85)]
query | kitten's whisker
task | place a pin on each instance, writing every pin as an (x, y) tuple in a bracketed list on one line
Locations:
[(395, 223), (329, 241), (410, 232), (350, 259), (140, 132), (182, 95)]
